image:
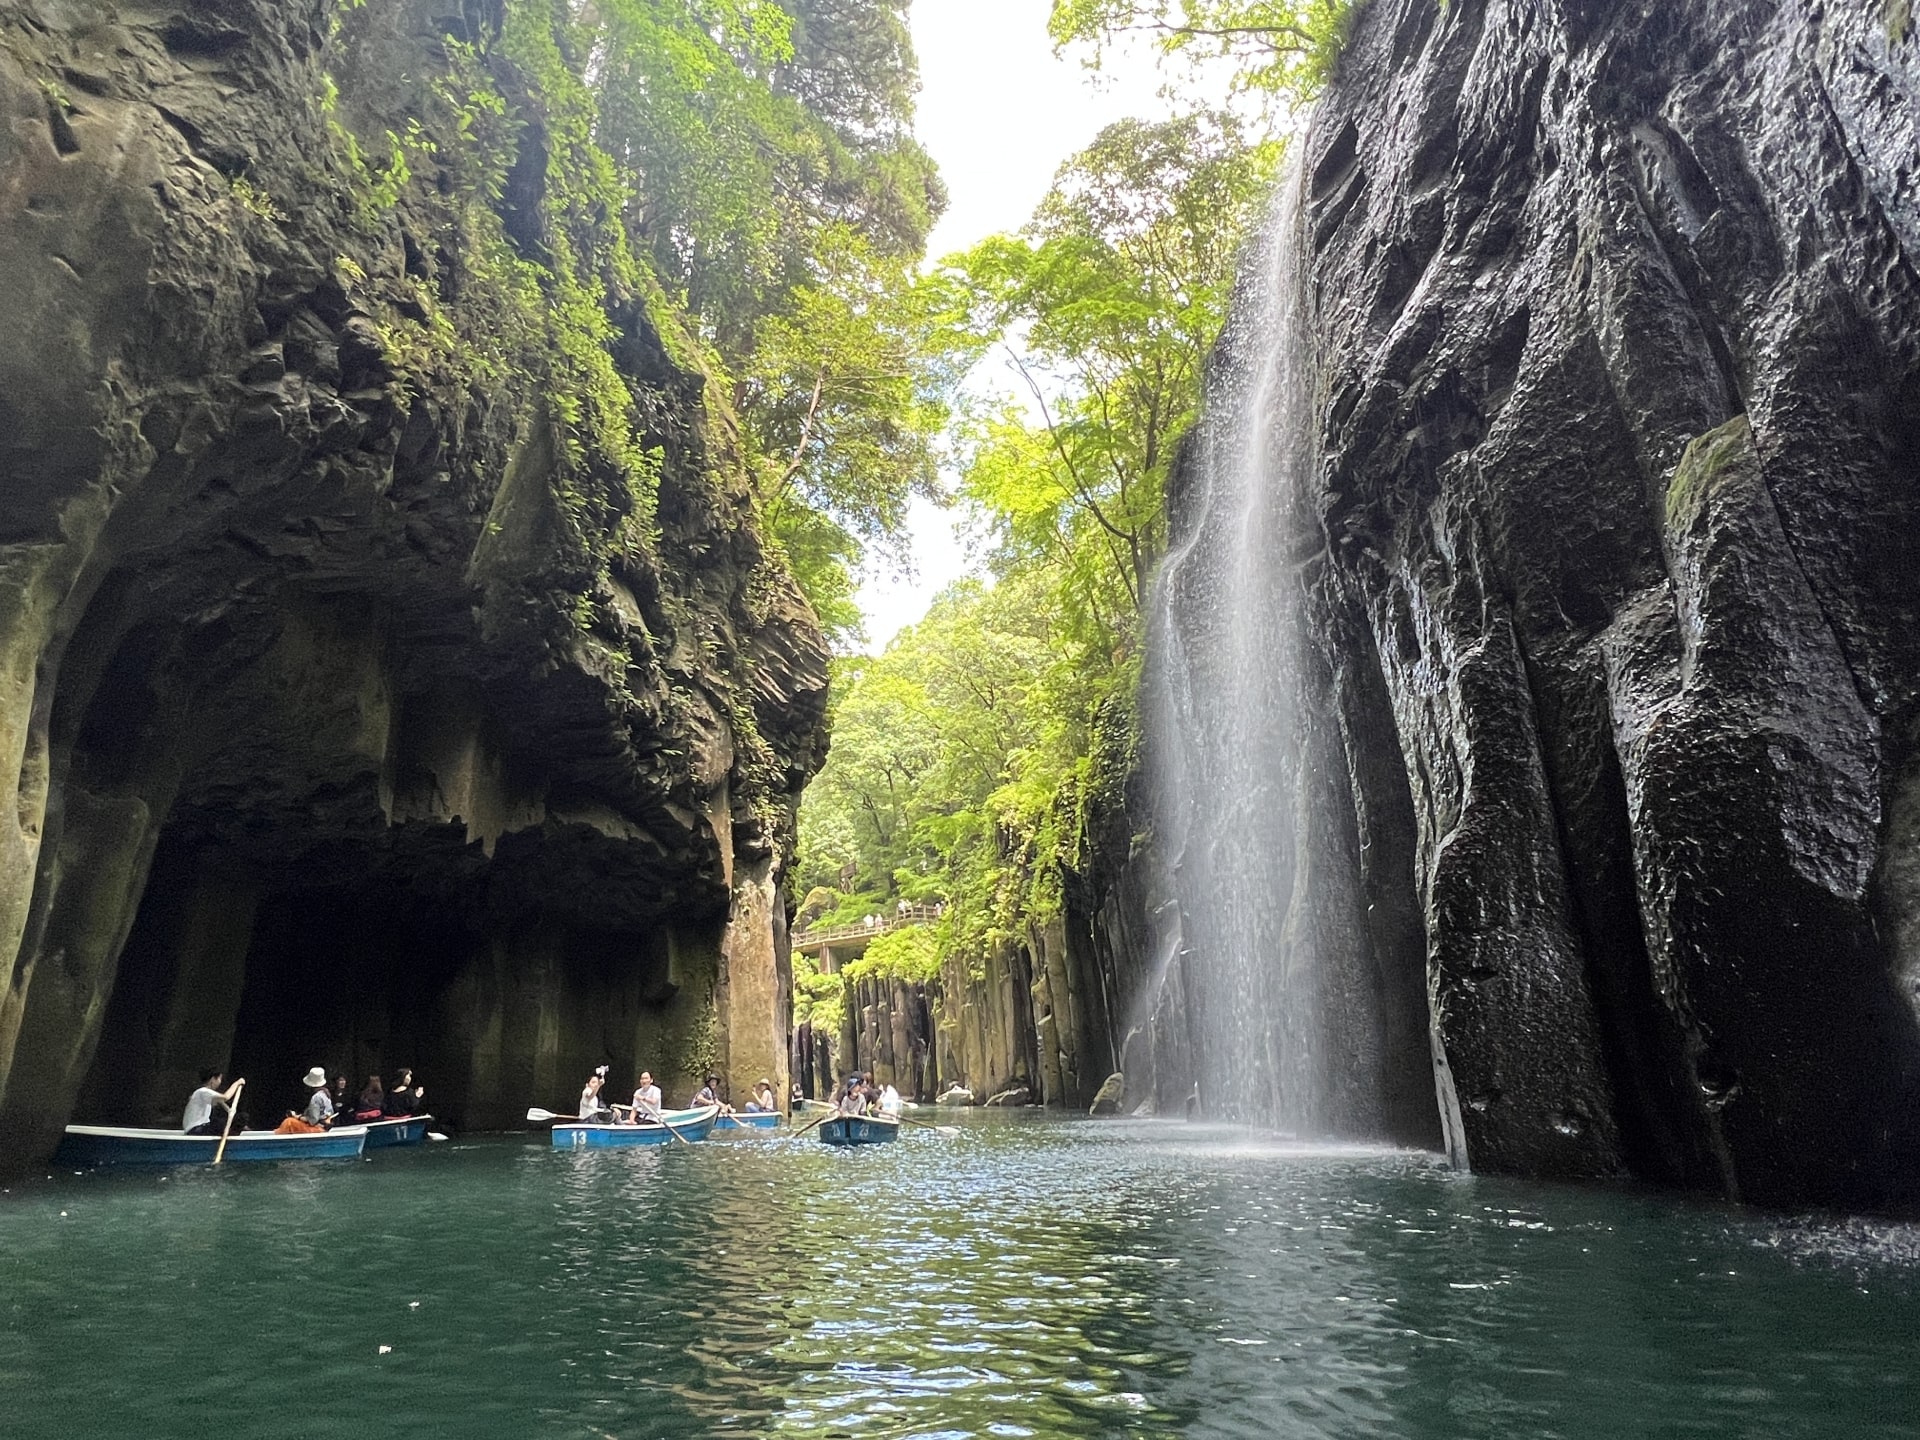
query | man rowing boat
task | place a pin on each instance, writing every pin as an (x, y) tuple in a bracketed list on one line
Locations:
[(646, 1100), (197, 1119)]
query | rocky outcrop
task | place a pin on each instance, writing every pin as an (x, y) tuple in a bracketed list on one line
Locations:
[(1619, 357), (392, 669)]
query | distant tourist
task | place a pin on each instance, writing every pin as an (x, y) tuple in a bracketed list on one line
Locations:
[(646, 1099), (372, 1104), (762, 1101), (319, 1111), (853, 1101), (707, 1094), (593, 1110), (889, 1100), (198, 1118), (403, 1096)]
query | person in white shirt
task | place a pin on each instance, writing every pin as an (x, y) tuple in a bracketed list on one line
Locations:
[(646, 1100), (889, 1100), (593, 1110), (198, 1117)]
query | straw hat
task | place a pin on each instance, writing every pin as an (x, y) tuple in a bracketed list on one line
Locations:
[(315, 1078)]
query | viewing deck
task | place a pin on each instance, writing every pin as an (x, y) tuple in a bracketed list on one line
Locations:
[(843, 942)]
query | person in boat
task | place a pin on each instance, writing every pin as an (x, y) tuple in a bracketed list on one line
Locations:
[(319, 1111), (762, 1100), (890, 1101), (593, 1110), (403, 1096), (372, 1104), (854, 1100), (199, 1118), (646, 1099)]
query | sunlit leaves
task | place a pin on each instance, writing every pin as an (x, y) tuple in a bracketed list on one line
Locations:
[(781, 197), (1285, 47)]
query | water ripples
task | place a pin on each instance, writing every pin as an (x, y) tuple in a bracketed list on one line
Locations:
[(1028, 1277)]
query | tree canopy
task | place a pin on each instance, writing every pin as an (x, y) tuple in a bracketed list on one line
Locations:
[(963, 753), (1282, 47), (780, 195)]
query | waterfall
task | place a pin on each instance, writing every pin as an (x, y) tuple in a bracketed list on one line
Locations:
[(1238, 966)]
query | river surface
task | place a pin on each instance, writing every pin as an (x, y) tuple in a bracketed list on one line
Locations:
[(1024, 1276)]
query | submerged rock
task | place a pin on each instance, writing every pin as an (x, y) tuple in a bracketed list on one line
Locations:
[(1012, 1095)]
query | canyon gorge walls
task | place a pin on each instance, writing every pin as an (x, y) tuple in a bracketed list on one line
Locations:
[(391, 669), (1611, 579)]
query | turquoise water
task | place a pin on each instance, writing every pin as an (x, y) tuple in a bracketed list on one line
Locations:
[(1028, 1276)]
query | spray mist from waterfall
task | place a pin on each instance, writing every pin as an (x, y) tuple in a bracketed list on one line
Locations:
[(1236, 982)]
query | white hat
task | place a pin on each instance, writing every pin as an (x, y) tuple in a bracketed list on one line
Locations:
[(315, 1076)]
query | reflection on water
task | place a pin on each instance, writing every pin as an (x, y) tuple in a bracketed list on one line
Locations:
[(1028, 1276)]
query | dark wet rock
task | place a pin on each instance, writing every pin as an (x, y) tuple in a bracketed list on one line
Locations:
[(956, 1095), (1011, 1096), (360, 710), (1621, 505), (1615, 590)]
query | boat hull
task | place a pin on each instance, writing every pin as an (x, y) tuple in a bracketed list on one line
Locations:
[(858, 1130), (400, 1130), (690, 1124), (749, 1120), (116, 1145)]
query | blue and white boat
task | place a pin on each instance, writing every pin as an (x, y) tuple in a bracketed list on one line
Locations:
[(694, 1124), (131, 1145), (859, 1130), (397, 1130), (749, 1120)]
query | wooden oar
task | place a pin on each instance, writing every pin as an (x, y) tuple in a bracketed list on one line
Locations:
[(830, 1115), (233, 1108), (540, 1117), (658, 1119)]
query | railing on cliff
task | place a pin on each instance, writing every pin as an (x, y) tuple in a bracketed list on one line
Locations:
[(894, 919)]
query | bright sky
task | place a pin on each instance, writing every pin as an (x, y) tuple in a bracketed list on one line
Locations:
[(999, 114)]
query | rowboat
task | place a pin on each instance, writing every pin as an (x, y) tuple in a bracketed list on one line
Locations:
[(859, 1130), (694, 1124), (126, 1145), (749, 1120), (397, 1130)]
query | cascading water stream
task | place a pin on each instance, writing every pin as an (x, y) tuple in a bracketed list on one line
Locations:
[(1236, 958)]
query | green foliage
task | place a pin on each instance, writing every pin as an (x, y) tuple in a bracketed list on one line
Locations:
[(818, 1000), (1117, 287), (965, 758), (253, 199), (1282, 47), (910, 954), (782, 199)]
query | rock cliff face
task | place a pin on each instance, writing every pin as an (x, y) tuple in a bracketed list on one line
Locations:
[(1616, 578), (390, 669)]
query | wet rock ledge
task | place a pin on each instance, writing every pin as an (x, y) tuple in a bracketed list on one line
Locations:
[(1620, 387), (390, 669)]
